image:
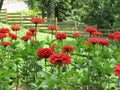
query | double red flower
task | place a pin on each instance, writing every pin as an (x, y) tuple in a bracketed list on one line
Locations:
[(117, 70), (44, 52), (36, 20), (96, 33), (32, 29), (60, 36), (111, 36), (76, 34), (3, 35), (60, 59), (115, 35), (90, 29), (29, 33), (94, 40), (52, 28), (13, 36), (5, 44), (67, 49), (103, 42), (25, 38), (15, 27), (4, 30)]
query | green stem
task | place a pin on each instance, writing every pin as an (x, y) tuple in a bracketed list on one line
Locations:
[(59, 68), (52, 35), (45, 64), (17, 78), (118, 84), (35, 70), (61, 42), (36, 32)]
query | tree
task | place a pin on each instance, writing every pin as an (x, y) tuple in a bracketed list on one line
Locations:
[(51, 8), (1, 3)]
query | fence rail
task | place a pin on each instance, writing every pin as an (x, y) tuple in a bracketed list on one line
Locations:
[(68, 27)]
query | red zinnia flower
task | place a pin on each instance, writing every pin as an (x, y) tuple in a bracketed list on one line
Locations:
[(44, 52), (32, 29), (75, 34), (13, 36), (111, 36), (29, 33), (117, 70), (96, 33), (88, 43), (15, 27), (67, 49), (60, 36), (52, 28), (5, 43), (94, 40), (3, 35), (60, 59), (36, 20), (117, 35), (90, 29), (25, 38), (4, 30), (103, 42)]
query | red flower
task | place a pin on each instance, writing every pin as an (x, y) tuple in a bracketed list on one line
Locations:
[(88, 43), (29, 33), (15, 27), (60, 59), (25, 38), (75, 34), (94, 40), (4, 30), (32, 29), (44, 52), (111, 36), (67, 49), (90, 29), (60, 36), (3, 35), (103, 42), (36, 20), (97, 33), (13, 36), (5, 43), (116, 35), (52, 28), (53, 46), (117, 70)]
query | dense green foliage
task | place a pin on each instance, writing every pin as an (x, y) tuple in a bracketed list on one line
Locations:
[(104, 14)]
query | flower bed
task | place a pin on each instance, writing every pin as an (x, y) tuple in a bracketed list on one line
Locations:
[(90, 63)]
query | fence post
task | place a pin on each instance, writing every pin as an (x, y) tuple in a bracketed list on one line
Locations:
[(6, 16), (56, 22)]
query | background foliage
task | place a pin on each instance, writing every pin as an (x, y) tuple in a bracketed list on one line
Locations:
[(104, 14)]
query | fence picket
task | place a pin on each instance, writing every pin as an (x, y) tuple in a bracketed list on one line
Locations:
[(68, 27)]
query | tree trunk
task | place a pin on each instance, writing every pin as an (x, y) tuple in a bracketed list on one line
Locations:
[(1, 3), (57, 11)]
